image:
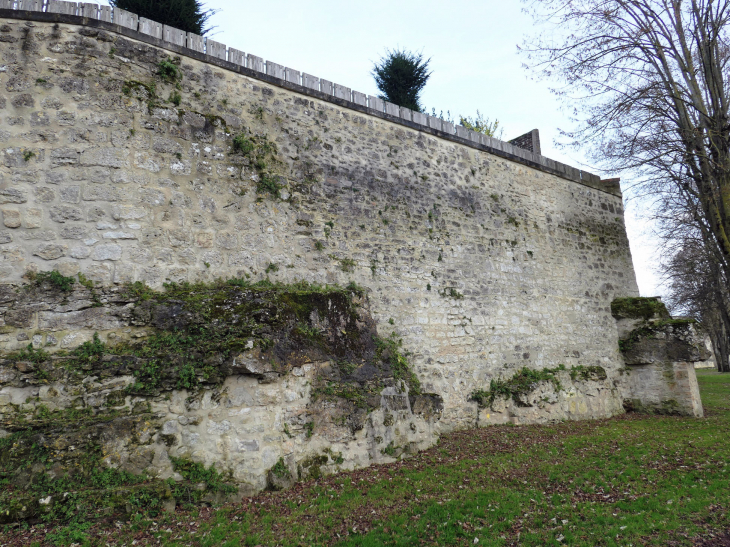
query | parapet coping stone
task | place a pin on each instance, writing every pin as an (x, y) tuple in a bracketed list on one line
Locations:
[(404, 117)]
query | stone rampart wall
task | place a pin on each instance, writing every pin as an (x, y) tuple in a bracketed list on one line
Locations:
[(125, 162), (122, 22), (100, 176)]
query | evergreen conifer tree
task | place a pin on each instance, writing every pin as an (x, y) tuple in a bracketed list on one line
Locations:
[(187, 15), (400, 76)]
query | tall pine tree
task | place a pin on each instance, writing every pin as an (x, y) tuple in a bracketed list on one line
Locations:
[(400, 76), (187, 15)]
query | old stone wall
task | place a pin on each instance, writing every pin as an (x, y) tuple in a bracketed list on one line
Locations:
[(660, 353), (125, 162)]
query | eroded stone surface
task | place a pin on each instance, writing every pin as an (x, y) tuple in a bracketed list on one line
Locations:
[(481, 265), (660, 353)]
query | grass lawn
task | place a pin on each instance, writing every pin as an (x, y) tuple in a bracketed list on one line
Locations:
[(632, 480)]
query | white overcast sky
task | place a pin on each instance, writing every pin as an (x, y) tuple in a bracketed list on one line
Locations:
[(473, 49)]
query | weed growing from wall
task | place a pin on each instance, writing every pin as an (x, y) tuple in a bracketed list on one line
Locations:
[(522, 383), (260, 155), (526, 380), (281, 470), (195, 473), (169, 70), (53, 279)]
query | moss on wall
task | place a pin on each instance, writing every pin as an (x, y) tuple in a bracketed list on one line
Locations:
[(527, 380), (55, 463), (639, 308)]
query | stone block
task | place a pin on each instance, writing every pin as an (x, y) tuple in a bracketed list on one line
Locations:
[(255, 63), (376, 103), (11, 218), (462, 132), (89, 10), (448, 127), (30, 5), (33, 218), (100, 192), (326, 86), (105, 14), (236, 57), (103, 157), (216, 49), (79, 251), (7, 4), (128, 212), (476, 137), (174, 35), (435, 123), (60, 6), (359, 98), (150, 28), (420, 118), (275, 70), (406, 113), (196, 42), (110, 251), (309, 81), (50, 251), (76, 231), (90, 318), (125, 18), (392, 109), (342, 92), (293, 76), (12, 195), (65, 213), (124, 273)]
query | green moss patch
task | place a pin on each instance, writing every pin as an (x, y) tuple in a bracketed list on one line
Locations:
[(639, 308), (526, 380), (259, 154), (199, 329), (52, 469)]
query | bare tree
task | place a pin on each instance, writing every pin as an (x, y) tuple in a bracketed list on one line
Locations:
[(648, 81), (694, 291)]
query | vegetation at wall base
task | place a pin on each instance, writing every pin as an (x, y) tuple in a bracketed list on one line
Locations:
[(187, 15), (633, 479)]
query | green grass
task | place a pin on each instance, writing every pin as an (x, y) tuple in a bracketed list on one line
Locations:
[(630, 480)]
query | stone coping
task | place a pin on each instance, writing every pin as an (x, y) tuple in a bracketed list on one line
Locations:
[(215, 53)]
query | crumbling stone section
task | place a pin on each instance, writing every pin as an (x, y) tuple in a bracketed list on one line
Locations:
[(239, 376), (659, 353), (548, 396)]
